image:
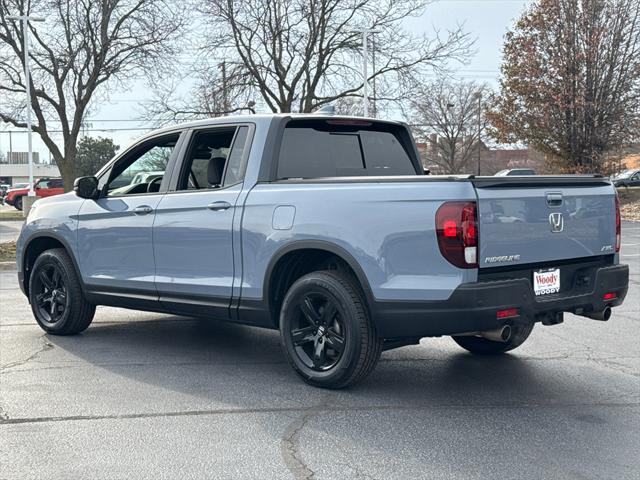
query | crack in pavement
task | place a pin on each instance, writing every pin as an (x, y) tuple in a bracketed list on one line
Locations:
[(615, 366), (597, 357), (314, 410), (358, 472), (78, 364), (45, 346), (289, 449)]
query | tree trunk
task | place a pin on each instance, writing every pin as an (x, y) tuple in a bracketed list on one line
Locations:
[(67, 167)]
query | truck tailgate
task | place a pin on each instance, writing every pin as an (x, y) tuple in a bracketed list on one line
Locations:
[(542, 219)]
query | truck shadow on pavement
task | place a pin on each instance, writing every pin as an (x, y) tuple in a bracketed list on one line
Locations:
[(244, 367)]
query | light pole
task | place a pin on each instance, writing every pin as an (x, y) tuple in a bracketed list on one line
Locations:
[(365, 73), (478, 95), (27, 82)]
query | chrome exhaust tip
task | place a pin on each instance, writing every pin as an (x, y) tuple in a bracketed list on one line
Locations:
[(502, 334), (602, 315)]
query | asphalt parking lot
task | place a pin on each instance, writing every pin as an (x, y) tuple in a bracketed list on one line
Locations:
[(142, 395)]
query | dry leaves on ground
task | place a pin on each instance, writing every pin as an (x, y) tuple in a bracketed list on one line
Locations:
[(7, 251), (630, 211)]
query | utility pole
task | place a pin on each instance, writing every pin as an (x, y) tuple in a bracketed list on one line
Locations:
[(478, 95), (27, 82), (373, 69), (225, 100), (10, 148), (365, 73)]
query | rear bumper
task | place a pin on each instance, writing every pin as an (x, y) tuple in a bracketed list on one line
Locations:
[(473, 306)]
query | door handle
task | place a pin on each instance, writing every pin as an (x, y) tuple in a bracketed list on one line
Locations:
[(217, 206), (142, 210), (554, 199)]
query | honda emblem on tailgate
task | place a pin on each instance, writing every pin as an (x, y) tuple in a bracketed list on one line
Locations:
[(556, 221)]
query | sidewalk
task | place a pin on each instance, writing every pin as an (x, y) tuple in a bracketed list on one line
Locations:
[(9, 230)]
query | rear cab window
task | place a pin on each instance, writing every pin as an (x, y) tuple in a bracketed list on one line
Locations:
[(344, 148), (221, 148)]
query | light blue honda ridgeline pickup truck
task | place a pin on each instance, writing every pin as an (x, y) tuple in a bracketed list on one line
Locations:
[(327, 229)]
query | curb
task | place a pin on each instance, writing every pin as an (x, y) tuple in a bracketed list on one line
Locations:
[(8, 266)]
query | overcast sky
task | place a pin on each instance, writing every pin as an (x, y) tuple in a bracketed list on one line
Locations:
[(486, 20)]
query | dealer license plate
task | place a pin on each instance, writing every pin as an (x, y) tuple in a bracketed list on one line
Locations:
[(546, 281)]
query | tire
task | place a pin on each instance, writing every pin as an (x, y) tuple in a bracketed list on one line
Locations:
[(325, 330), (18, 203), (482, 346), (55, 294)]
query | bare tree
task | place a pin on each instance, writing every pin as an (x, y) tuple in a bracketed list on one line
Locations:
[(446, 118), (84, 45), (221, 88), (571, 80), (298, 55)]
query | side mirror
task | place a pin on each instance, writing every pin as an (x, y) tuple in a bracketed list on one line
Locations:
[(86, 187)]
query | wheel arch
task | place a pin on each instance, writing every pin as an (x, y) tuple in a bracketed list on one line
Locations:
[(34, 246), (302, 257)]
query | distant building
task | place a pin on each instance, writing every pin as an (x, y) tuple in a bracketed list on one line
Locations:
[(19, 158), (15, 169), (492, 160)]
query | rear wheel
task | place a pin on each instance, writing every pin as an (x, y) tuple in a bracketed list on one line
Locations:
[(326, 332), (18, 203), (483, 346), (55, 294)]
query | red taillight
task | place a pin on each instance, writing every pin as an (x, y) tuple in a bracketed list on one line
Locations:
[(610, 296), (450, 229), (618, 225), (457, 232), (507, 313)]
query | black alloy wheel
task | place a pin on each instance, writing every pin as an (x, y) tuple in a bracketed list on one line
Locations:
[(326, 332), (55, 294), (51, 298), (318, 331)]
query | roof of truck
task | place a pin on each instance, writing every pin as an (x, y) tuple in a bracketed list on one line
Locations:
[(266, 117)]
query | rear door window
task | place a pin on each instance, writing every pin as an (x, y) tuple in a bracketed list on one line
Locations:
[(221, 148), (317, 149)]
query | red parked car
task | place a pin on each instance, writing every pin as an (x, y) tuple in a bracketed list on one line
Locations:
[(45, 187)]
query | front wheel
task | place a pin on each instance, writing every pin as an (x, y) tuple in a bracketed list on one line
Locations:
[(55, 294), (18, 203), (483, 346), (326, 332)]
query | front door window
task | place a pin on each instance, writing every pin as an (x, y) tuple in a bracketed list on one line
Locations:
[(143, 170)]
